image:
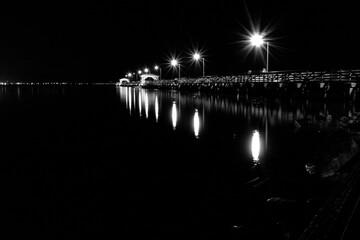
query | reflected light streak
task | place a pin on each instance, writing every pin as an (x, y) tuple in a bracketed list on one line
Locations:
[(130, 101), (146, 105), (255, 145), (156, 109), (174, 114), (126, 98), (196, 123), (140, 104)]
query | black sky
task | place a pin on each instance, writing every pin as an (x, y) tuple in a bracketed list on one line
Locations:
[(102, 40)]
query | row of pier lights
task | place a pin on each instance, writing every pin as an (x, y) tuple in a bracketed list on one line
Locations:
[(173, 63), (256, 40)]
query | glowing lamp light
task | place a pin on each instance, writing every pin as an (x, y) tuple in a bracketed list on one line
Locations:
[(139, 72), (256, 40), (255, 145), (157, 68), (146, 70), (174, 62), (197, 56)]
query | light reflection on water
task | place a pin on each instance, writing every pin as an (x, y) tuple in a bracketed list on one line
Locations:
[(196, 123), (139, 104), (174, 115), (146, 101), (255, 146), (130, 102), (193, 141), (223, 115), (149, 99), (156, 109)]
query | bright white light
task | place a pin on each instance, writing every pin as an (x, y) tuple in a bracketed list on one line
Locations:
[(174, 62), (255, 145), (196, 56), (156, 67), (196, 123), (156, 109), (129, 74), (256, 40), (174, 114), (146, 70), (139, 72)]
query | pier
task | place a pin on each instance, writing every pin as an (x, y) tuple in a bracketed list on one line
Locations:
[(324, 84)]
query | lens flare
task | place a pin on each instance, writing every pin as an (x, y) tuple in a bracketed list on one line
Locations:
[(174, 62), (197, 56), (256, 40)]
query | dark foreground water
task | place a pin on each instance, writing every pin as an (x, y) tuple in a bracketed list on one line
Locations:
[(106, 162)]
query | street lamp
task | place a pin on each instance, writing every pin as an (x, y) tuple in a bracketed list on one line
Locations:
[(257, 40), (139, 73), (197, 57), (146, 70), (174, 63), (158, 68)]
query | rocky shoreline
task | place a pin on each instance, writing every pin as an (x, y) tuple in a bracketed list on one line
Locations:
[(316, 202), (337, 161)]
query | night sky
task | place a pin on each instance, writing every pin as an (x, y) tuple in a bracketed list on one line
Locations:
[(100, 41)]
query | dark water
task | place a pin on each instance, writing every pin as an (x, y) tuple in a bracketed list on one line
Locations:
[(107, 162)]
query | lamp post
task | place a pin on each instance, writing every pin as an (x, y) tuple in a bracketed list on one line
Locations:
[(158, 68), (257, 41), (139, 73), (197, 57), (174, 63)]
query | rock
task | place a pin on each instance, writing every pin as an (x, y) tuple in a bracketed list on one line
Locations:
[(332, 157), (343, 156), (328, 118), (280, 201), (296, 124), (310, 168)]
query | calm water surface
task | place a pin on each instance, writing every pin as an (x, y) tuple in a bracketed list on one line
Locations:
[(106, 161)]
